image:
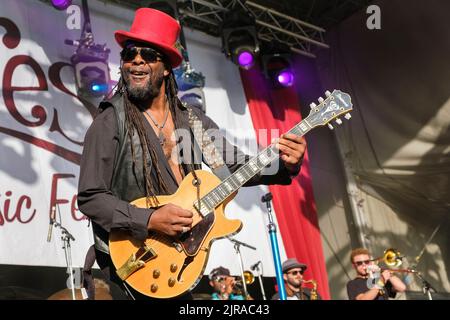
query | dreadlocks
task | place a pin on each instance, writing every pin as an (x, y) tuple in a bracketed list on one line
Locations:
[(134, 122)]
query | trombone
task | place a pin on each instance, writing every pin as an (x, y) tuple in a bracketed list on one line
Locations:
[(240, 284), (249, 278), (393, 259)]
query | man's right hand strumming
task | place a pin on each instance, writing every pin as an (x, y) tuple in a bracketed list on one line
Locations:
[(171, 220)]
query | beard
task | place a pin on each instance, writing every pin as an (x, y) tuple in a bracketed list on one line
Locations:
[(146, 92)]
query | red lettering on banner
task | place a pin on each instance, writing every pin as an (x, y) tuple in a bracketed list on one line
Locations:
[(54, 201), (18, 212), (74, 210), (27, 199), (11, 38), (37, 111)]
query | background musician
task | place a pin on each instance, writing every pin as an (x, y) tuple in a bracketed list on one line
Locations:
[(223, 284), (363, 288), (293, 281)]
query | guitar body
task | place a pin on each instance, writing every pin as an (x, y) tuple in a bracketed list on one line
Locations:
[(165, 267)]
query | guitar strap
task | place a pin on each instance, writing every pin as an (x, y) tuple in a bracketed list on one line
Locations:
[(211, 155)]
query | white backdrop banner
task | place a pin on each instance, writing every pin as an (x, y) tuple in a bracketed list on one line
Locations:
[(43, 122)]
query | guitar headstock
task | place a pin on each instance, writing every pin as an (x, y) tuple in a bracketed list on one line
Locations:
[(337, 103)]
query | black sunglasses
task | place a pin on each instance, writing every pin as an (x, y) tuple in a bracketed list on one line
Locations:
[(360, 263), (294, 273), (148, 54), (219, 279)]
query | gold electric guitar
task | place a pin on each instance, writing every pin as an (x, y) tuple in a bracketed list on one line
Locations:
[(166, 267)]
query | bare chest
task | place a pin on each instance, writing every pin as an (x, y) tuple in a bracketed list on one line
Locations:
[(167, 139)]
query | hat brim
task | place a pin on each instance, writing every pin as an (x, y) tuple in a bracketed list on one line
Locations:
[(172, 54), (299, 265)]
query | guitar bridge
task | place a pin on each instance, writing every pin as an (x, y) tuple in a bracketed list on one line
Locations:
[(135, 262)]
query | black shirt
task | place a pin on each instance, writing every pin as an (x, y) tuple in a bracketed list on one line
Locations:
[(359, 285)]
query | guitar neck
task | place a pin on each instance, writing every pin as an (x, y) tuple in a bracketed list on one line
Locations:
[(246, 172)]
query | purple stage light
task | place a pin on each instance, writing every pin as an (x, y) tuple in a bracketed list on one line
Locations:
[(285, 78), (245, 59), (61, 4)]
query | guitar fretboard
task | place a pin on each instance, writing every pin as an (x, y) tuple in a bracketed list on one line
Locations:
[(241, 176)]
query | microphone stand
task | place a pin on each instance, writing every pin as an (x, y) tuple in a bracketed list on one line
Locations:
[(275, 249), (256, 267), (237, 245), (66, 237), (426, 286)]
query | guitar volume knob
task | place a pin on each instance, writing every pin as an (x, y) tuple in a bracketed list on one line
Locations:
[(156, 273), (173, 267), (154, 287), (171, 282)]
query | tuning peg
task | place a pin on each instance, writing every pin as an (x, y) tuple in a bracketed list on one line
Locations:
[(338, 121), (347, 116), (313, 105), (327, 93), (330, 126), (320, 99)]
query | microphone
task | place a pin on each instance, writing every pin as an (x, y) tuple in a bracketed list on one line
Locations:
[(267, 197), (50, 226), (253, 267)]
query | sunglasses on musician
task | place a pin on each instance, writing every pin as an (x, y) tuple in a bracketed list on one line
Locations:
[(220, 279), (360, 263), (295, 272), (148, 54)]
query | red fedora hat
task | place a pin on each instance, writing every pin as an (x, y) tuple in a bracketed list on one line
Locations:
[(155, 28)]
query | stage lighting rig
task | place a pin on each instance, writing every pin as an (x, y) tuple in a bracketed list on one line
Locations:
[(61, 4), (277, 65), (90, 62), (239, 38), (190, 85)]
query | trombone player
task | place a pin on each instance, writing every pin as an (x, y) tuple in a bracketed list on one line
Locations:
[(363, 288), (223, 284)]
